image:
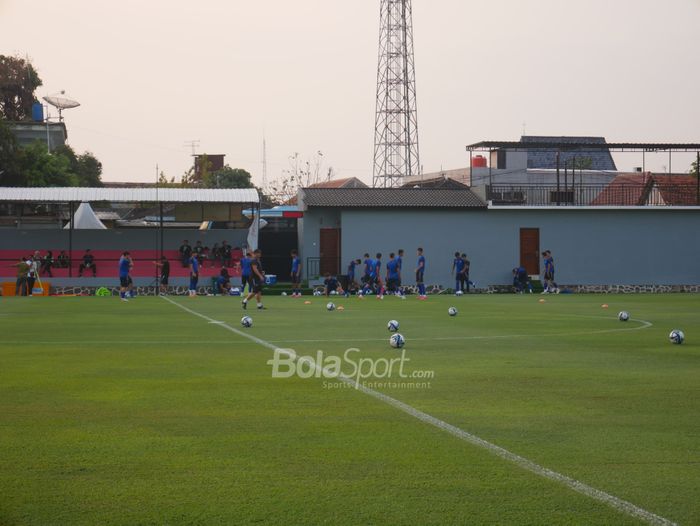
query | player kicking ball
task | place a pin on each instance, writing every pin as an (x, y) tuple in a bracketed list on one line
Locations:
[(257, 276)]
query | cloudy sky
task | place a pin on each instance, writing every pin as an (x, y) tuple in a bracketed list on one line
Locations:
[(154, 75)]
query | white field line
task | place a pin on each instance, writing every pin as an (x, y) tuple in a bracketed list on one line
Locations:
[(579, 487)]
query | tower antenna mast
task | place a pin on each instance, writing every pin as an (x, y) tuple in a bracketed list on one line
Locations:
[(396, 124)]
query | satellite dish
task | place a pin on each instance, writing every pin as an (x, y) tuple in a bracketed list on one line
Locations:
[(61, 102)]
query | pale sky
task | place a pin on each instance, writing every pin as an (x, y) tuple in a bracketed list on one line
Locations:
[(153, 75)]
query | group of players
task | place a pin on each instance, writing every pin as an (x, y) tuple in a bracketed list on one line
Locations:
[(371, 281)]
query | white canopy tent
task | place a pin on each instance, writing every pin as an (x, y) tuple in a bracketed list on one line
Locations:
[(85, 219)]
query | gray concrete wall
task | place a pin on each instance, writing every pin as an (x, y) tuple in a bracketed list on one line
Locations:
[(117, 239), (590, 246)]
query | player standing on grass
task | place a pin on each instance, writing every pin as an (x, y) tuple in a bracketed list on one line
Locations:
[(194, 275), (351, 273), (393, 275), (420, 275), (245, 271), (296, 275), (164, 266), (457, 268), (369, 268), (550, 286), (399, 258), (378, 276), (257, 278), (124, 266)]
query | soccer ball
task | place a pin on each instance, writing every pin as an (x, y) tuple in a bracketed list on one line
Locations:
[(676, 336), (623, 316), (317, 293), (333, 292), (452, 311), (234, 291), (283, 294), (330, 305), (247, 321), (393, 325), (397, 341), (459, 293)]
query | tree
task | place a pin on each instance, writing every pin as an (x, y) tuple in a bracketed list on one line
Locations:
[(229, 177), (9, 163), (694, 168), (41, 168), (85, 167), (18, 81)]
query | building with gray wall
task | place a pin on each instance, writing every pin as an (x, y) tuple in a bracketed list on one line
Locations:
[(591, 245)]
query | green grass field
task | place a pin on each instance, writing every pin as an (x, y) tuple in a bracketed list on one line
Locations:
[(144, 413)]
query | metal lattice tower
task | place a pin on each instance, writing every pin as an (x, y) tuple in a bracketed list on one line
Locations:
[(396, 125)]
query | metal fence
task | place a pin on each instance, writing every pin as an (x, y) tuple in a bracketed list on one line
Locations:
[(595, 195)]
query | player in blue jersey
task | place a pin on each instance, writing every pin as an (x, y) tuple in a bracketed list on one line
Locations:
[(296, 274), (377, 276), (464, 276), (420, 275), (457, 267), (352, 284), (521, 279), (245, 271), (194, 275), (392, 274), (369, 269), (550, 286), (257, 279), (124, 268), (399, 258)]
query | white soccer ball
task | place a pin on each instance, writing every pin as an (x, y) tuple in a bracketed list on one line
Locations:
[(459, 293), (317, 293), (623, 315), (333, 292), (452, 311), (283, 294), (330, 305), (247, 321), (234, 291), (397, 341), (676, 336), (393, 325)]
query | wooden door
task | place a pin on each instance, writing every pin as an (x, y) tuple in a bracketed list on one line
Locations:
[(530, 250), (330, 251)]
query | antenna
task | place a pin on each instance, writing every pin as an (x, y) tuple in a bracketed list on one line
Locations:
[(194, 145), (396, 119), (61, 102), (264, 164)]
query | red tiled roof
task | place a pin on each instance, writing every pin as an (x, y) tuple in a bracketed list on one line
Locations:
[(641, 189)]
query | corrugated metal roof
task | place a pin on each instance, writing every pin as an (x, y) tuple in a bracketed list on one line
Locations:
[(390, 198), (131, 195)]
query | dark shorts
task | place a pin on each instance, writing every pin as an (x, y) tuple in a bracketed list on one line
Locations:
[(392, 283), (256, 285), (123, 281), (164, 280), (419, 276), (296, 277), (193, 282), (549, 276), (245, 280)]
